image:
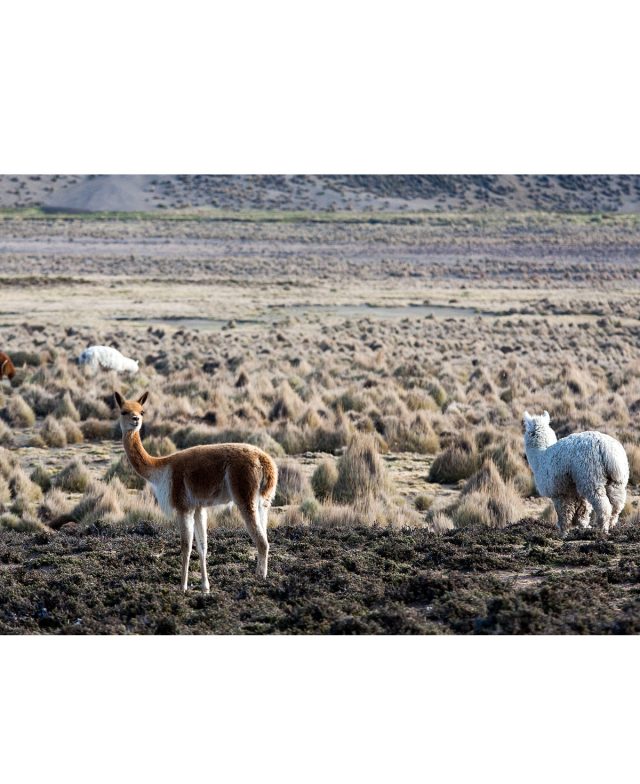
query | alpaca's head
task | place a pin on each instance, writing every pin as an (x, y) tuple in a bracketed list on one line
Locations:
[(537, 432), (128, 365), (131, 412)]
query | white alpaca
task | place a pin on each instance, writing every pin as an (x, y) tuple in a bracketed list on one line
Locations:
[(107, 358), (580, 472)]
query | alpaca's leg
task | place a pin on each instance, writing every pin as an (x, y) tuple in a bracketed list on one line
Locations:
[(186, 521), (251, 516), (582, 514), (564, 509), (617, 495), (200, 530), (602, 507)]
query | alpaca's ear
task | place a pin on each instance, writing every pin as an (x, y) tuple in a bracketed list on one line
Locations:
[(143, 398), (119, 399), (546, 417), (526, 420)]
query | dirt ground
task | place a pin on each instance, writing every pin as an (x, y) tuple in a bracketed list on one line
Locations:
[(522, 580)]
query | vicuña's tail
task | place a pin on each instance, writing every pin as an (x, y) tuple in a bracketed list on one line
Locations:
[(269, 478)]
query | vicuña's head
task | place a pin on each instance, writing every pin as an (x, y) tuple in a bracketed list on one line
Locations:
[(7, 369), (537, 432), (131, 412)]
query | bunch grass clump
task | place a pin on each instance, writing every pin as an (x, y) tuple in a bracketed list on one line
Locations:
[(19, 412), (324, 478), (122, 470), (66, 408), (53, 433), (458, 461), (6, 434), (41, 476), (361, 473), (74, 477), (99, 430), (293, 486)]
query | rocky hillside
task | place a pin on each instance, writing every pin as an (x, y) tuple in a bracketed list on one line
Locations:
[(582, 193)]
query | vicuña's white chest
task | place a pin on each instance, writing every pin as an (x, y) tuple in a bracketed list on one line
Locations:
[(161, 483)]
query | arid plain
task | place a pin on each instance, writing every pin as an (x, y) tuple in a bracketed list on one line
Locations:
[(384, 359)]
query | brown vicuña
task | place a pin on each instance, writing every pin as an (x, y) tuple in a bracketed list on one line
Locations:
[(187, 482), (6, 366)]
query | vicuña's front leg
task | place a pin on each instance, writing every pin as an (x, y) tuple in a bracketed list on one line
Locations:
[(186, 540), (201, 545)]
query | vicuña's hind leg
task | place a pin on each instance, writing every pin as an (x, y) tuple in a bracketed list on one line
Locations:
[(263, 510), (200, 530), (601, 506), (186, 521), (617, 495), (251, 517)]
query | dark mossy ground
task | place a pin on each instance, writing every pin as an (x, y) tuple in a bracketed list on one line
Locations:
[(524, 579)]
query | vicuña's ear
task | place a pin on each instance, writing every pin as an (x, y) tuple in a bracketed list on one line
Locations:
[(546, 417), (119, 399), (143, 398), (2, 367)]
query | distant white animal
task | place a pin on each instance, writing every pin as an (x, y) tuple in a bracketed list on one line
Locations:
[(581, 472), (107, 358)]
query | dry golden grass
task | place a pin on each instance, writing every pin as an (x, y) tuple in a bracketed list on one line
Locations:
[(332, 392)]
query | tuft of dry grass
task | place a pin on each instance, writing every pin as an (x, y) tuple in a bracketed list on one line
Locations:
[(55, 508), (74, 477), (8, 461), (24, 493), (99, 430), (159, 446), (293, 487), (53, 433), (423, 502), (66, 408), (72, 432), (456, 462), (121, 469), (19, 412), (5, 494), (361, 473), (633, 454), (324, 478), (41, 477), (495, 506), (102, 503), (440, 522), (6, 434)]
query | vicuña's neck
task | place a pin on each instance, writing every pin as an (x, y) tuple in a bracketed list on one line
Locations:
[(143, 463)]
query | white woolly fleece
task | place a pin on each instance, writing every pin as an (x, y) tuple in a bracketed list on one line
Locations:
[(580, 463), (107, 358)]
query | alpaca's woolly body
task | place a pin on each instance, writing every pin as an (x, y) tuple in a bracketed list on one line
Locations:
[(107, 358), (578, 472)]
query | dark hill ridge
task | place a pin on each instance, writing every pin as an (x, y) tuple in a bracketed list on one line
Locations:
[(580, 193)]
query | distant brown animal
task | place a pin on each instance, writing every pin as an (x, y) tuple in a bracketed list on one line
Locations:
[(187, 482), (6, 366)]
